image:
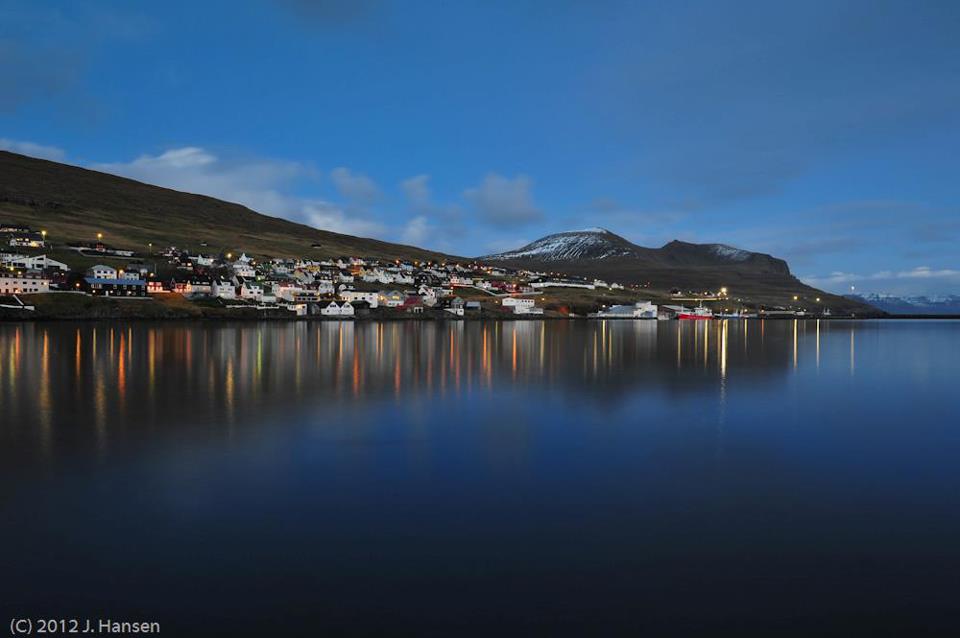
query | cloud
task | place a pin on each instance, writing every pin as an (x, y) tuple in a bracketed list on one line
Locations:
[(32, 149), (504, 202), (261, 184), (356, 187), (918, 280), (254, 183), (417, 231), (328, 216), (417, 190)]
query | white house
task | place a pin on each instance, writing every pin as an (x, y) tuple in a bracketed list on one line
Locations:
[(223, 289), (371, 298), (14, 283), (243, 269), (102, 272), (128, 274), (251, 290), (391, 298), (333, 309), (522, 306), (33, 262)]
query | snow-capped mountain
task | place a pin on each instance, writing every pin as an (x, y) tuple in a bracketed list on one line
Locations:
[(591, 243), (912, 305)]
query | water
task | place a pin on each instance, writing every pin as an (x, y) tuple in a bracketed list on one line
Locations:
[(647, 478)]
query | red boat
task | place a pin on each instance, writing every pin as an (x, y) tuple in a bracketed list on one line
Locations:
[(699, 313)]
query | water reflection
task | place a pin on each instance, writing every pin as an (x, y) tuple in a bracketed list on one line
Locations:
[(60, 383)]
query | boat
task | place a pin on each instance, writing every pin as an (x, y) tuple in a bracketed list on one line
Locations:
[(698, 313)]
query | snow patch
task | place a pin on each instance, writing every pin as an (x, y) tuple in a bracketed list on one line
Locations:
[(729, 252), (564, 246)]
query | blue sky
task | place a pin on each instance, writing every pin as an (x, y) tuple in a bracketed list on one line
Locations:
[(826, 133)]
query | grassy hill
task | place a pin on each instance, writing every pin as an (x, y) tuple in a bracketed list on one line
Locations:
[(74, 204)]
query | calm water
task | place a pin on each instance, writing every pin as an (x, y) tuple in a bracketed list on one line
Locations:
[(429, 478)]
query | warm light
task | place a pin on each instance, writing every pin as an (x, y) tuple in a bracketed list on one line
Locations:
[(44, 233), (723, 290), (818, 299), (99, 235), (795, 297)]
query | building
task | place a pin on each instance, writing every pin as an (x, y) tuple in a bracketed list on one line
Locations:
[(371, 298), (102, 272), (26, 283), (223, 289), (333, 309), (391, 298), (115, 287), (28, 239), (639, 310), (33, 262)]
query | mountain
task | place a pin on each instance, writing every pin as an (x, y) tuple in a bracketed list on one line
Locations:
[(597, 252), (912, 305), (74, 204), (595, 244)]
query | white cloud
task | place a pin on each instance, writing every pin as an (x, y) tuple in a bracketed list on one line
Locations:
[(417, 231), (331, 217), (259, 184), (32, 149), (503, 201), (919, 280), (356, 187), (417, 190)]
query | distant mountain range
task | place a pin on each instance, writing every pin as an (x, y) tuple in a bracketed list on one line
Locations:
[(912, 305), (677, 265), (599, 244)]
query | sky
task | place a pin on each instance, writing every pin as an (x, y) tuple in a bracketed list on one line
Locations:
[(825, 133)]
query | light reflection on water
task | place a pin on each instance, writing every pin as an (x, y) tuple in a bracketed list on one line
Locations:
[(697, 472)]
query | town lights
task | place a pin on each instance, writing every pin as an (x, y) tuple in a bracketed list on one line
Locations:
[(43, 233), (723, 291), (99, 236), (795, 297)]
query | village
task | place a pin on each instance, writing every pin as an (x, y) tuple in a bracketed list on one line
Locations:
[(345, 287)]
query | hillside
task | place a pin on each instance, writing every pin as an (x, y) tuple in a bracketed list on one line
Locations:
[(597, 252), (74, 204)]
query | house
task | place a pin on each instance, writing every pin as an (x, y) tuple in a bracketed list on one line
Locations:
[(155, 287), (251, 290), (33, 262), (454, 306), (330, 309), (101, 271), (18, 282), (128, 274), (391, 298), (200, 286), (522, 306), (413, 304), (223, 289), (353, 296), (27, 239), (115, 287)]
